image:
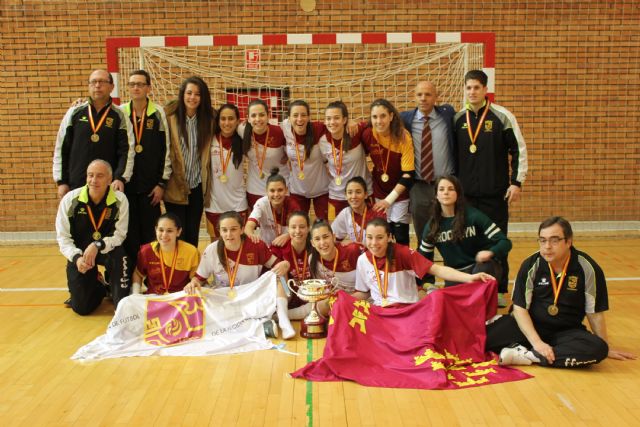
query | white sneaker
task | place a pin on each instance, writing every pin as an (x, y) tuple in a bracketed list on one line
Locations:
[(518, 355)]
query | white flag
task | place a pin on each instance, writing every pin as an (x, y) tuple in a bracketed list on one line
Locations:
[(183, 325)]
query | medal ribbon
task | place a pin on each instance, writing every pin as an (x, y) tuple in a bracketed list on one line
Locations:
[(93, 219), (358, 235), (335, 156), (384, 166), (138, 131), (383, 290), (173, 268), (224, 164), (234, 272), (278, 227), (95, 128), (474, 135), (558, 286), (304, 152), (259, 161), (299, 275)]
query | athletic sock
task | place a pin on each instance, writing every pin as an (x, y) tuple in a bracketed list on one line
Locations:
[(283, 320), (299, 313)]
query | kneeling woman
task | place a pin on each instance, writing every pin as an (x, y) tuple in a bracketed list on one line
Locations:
[(331, 262), (387, 271), (234, 260), (168, 263), (465, 237)]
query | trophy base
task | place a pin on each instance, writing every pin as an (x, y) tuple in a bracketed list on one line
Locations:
[(317, 329)]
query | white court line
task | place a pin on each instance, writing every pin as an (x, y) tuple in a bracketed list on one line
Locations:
[(609, 279), (566, 402)]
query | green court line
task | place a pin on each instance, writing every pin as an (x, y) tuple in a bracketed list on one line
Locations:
[(309, 386)]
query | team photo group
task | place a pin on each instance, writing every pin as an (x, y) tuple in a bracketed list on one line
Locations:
[(330, 200)]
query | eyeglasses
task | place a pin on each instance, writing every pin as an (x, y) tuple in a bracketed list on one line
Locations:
[(553, 240), (99, 82), (139, 85)]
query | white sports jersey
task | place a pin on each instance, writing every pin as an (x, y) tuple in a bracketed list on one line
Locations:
[(254, 256), (230, 195), (353, 164), (405, 267), (272, 159), (345, 274), (262, 215), (316, 177)]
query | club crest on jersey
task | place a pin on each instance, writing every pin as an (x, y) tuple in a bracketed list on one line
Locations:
[(488, 125), (543, 282), (572, 283), (109, 122), (251, 258), (149, 123)]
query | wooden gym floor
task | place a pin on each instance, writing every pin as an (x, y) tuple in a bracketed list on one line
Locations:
[(41, 386)]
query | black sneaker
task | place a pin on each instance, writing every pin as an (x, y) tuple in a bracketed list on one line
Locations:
[(67, 303), (270, 329)]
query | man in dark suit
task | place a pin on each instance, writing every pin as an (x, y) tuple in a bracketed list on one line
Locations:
[(433, 147)]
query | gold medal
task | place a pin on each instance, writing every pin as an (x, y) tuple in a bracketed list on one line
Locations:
[(301, 175), (96, 236), (139, 148), (232, 294), (473, 148), (338, 180), (95, 137), (384, 177), (552, 310), (261, 175), (385, 302), (224, 179)]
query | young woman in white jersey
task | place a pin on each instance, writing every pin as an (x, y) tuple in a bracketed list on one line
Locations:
[(309, 179), (270, 213), (234, 260), (350, 223), (266, 149), (344, 154), (228, 187), (387, 271)]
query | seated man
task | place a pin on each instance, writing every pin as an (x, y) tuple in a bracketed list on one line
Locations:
[(90, 225), (555, 288)]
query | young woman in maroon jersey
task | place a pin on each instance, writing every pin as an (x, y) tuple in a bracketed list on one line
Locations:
[(331, 262), (166, 265)]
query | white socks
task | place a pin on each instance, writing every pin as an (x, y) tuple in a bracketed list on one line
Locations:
[(283, 320), (300, 313)]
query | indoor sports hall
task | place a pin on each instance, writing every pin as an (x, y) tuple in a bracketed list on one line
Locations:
[(568, 70)]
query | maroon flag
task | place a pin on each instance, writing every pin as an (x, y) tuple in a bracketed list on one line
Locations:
[(437, 343)]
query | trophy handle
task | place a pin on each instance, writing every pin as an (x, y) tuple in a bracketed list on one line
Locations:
[(290, 284)]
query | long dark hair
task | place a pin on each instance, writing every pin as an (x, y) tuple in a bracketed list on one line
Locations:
[(380, 222), (248, 130), (238, 148), (346, 139), (436, 212), (205, 113), (396, 127), (315, 255), (304, 215), (309, 137), (222, 256)]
